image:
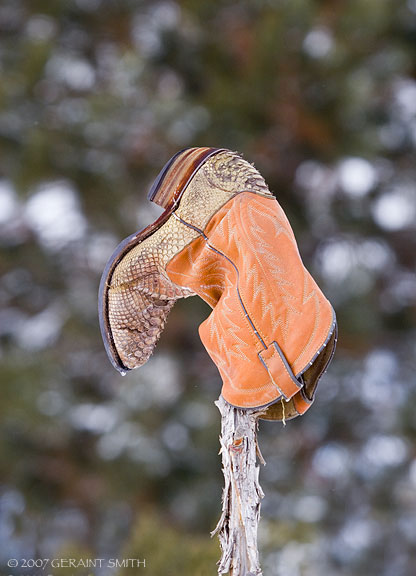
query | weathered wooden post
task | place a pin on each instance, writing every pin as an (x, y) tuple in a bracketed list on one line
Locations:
[(242, 494), (271, 333)]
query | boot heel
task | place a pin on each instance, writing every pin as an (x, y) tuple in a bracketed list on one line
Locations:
[(175, 176)]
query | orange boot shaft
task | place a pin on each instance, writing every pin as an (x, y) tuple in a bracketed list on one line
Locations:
[(270, 320)]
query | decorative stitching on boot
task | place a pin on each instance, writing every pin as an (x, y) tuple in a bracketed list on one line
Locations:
[(238, 276)]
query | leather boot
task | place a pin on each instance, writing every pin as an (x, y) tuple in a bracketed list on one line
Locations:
[(224, 237)]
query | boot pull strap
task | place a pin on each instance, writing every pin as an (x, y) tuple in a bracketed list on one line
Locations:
[(280, 371)]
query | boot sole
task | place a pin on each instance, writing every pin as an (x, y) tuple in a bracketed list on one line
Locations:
[(166, 191)]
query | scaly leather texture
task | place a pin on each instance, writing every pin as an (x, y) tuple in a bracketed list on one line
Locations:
[(135, 290), (271, 332)]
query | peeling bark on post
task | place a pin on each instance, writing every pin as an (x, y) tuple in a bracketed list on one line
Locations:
[(242, 494)]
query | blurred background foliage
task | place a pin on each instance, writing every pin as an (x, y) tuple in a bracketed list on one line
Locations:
[(95, 96)]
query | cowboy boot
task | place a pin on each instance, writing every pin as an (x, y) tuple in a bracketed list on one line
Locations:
[(224, 237)]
